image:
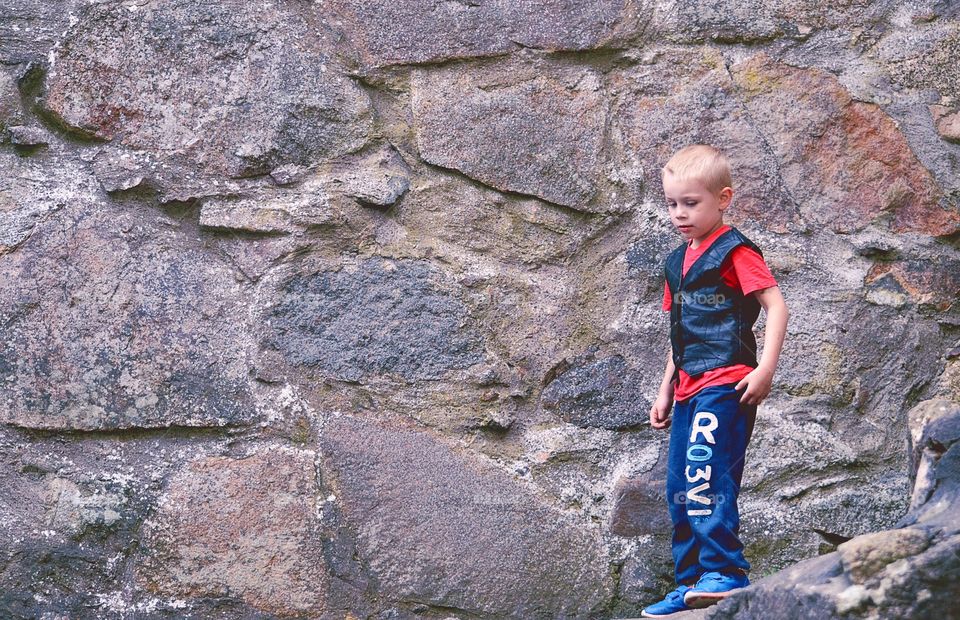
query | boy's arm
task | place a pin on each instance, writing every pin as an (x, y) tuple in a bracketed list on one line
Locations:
[(759, 380), (660, 411)]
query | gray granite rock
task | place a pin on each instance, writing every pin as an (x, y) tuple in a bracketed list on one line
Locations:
[(758, 21), (455, 533), (640, 503), (529, 127), (232, 89), (30, 28), (376, 179), (28, 136), (378, 317), (11, 108), (921, 57), (116, 328), (594, 390), (71, 512), (405, 32)]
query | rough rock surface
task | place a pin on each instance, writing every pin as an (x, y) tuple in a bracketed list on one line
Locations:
[(235, 89), (452, 535), (596, 392), (30, 28), (106, 325), (246, 527), (541, 130), (353, 309), (377, 318), (379, 34)]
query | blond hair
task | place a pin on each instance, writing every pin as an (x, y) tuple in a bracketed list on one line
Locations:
[(703, 163)]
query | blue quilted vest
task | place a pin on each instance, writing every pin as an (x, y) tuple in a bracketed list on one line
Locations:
[(711, 324)]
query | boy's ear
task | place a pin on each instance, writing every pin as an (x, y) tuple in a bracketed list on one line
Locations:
[(725, 196)]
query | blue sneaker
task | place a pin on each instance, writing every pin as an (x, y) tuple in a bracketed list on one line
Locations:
[(671, 604), (714, 586)]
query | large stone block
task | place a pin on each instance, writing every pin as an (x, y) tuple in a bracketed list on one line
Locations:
[(240, 527), (375, 318), (529, 127), (804, 151), (231, 88), (456, 533), (452, 215), (407, 31), (113, 320)]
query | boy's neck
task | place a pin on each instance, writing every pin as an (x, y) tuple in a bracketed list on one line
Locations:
[(695, 243)]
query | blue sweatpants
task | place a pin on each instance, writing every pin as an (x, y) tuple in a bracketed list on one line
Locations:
[(708, 440)]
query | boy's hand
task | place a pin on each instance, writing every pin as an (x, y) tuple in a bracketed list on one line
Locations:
[(758, 384), (660, 412)]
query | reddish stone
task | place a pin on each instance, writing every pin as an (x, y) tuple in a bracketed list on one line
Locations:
[(947, 121), (927, 281), (244, 526), (639, 503), (845, 161)]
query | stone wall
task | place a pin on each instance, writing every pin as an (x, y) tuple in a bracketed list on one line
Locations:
[(352, 309)]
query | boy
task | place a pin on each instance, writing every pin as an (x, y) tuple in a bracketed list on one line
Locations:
[(716, 283)]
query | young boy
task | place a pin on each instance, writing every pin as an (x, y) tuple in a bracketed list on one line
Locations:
[(716, 283)]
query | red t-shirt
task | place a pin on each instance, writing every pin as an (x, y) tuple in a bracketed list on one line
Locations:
[(743, 268)]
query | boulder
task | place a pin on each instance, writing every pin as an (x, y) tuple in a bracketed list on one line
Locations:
[(455, 532), (529, 127), (125, 322), (408, 32), (227, 89)]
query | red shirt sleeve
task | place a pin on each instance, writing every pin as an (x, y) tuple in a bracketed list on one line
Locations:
[(747, 270), (666, 296)]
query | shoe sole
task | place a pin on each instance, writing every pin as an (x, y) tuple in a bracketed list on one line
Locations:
[(644, 614), (705, 599)]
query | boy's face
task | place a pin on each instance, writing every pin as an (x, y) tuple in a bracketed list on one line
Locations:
[(694, 210)]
